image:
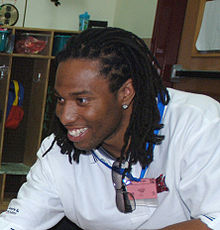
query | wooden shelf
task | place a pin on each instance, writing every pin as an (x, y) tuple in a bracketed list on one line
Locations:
[(30, 56), (196, 53), (4, 205), (11, 168), (18, 147)]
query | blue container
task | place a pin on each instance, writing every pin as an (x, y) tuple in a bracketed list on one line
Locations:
[(59, 43), (83, 21), (3, 39)]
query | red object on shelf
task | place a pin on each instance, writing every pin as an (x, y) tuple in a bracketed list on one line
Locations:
[(30, 45)]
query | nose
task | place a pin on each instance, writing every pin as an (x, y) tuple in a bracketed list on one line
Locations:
[(67, 113)]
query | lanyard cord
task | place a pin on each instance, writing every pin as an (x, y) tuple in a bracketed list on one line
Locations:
[(121, 170)]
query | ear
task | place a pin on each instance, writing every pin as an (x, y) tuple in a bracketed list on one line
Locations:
[(126, 93)]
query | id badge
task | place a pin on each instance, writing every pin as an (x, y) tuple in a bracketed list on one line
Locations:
[(144, 191)]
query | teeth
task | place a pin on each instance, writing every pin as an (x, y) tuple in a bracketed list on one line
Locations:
[(77, 132)]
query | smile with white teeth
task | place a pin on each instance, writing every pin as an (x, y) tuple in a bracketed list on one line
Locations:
[(77, 132)]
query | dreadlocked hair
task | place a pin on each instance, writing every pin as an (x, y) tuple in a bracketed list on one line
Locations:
[(122, 56)]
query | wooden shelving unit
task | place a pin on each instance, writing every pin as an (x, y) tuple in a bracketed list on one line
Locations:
[(36, 72), (191, 59)]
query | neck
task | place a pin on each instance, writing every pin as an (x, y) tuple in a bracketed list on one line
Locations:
[(112, 150), (114, 145)]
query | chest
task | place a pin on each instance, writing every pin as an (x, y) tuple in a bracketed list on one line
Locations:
[(88, 197)]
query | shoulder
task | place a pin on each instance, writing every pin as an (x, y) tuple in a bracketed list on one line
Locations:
[(49, 156), (192, 103), (46, 144)]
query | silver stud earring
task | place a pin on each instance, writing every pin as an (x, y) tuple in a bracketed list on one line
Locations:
[(124, 106)]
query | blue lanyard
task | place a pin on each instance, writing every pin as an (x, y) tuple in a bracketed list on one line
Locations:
[(143, 171)]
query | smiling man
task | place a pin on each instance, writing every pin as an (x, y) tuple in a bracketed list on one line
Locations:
[(125, 152), (90, 112)]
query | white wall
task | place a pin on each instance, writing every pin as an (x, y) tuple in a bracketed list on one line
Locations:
[(134, 15), (44, 14)]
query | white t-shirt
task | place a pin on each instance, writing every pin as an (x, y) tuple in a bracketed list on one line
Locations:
[(189, 158)]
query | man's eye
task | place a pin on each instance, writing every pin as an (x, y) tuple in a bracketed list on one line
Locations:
[(82, 100), (59, 99)]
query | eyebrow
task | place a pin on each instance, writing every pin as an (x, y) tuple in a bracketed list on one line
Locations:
[(74, 93)]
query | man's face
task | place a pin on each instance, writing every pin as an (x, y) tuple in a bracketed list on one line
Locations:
[(88, 110)]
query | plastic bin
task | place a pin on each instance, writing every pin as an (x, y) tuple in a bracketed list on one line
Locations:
[(31, 43), (3, 39), (59, 43)]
